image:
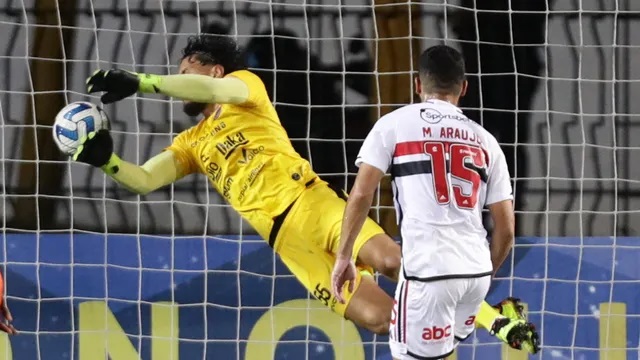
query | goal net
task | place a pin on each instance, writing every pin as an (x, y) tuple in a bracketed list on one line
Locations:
[(92, 270)]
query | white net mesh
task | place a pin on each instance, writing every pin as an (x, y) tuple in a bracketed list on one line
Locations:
[(556, 82)]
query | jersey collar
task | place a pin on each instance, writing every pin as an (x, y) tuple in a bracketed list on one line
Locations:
[(443, 103)]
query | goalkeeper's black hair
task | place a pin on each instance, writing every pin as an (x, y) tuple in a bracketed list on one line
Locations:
[(441, 70), (215, 50)]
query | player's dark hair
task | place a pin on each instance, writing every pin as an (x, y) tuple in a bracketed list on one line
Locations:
[(215, 50), (441, 69)]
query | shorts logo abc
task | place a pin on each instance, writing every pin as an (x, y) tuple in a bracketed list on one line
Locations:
[(436, 333)]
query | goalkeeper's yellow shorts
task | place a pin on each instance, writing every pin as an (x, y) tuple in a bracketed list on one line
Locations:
[(308, 237)]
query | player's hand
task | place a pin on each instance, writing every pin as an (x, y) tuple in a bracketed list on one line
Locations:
[(343, 270), (95, 149), (116, 84), (6, 319)]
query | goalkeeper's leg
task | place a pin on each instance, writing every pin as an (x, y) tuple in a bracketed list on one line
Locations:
[(383, 254), (368, 306)]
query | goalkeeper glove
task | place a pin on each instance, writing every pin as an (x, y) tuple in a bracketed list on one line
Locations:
[(97, 150), (118, 84)]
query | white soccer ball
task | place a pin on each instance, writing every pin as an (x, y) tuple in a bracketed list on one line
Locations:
[(74, 122)]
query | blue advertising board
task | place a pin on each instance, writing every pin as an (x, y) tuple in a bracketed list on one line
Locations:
[(152, 297)]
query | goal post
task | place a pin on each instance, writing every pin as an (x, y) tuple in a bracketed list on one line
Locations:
[(177, 274), (47, 71)]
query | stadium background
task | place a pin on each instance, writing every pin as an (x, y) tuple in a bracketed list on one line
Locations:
[(569, 111)]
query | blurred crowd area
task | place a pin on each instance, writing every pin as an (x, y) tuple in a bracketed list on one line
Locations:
[(331, 68)]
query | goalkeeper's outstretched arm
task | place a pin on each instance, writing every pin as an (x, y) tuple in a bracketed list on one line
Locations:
[(197, 88), (161, 170), (119, 84), (157, 172)]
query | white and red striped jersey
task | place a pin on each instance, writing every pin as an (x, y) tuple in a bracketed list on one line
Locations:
[(445, 169)]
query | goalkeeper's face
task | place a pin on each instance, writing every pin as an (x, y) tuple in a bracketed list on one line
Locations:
[(190, 65)]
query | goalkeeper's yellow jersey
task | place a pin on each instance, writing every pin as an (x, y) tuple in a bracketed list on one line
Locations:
[(247, 156)]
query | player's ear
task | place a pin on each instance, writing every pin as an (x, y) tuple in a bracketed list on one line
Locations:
[(217, 71), (418, 85), (463, 91)]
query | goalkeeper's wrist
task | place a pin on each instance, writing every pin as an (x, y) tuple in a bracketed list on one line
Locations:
[(112, 166), (149, 83)]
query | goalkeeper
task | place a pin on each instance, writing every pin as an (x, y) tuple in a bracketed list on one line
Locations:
[(244, 151)]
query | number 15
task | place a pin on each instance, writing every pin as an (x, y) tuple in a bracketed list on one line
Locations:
[(458, 153)]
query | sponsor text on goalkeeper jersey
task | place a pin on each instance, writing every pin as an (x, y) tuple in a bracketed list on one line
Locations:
[(445, 169), (247, 156)]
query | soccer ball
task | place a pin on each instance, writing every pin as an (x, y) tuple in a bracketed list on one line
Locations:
[(74, 122)]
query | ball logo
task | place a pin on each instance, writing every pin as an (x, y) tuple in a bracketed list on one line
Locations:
[(432, 116), (76, 121), (436, 333), (78, 108), (72, 134)]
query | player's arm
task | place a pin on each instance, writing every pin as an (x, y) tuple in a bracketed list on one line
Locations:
[(118, 84), (500, 203), (373, 160), (358, 206), (159, 171), (503, 234)]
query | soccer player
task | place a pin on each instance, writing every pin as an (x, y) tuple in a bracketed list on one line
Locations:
[(445, 170), (244, 151)]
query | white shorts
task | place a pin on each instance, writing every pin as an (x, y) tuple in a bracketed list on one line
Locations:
[(429, 319)]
